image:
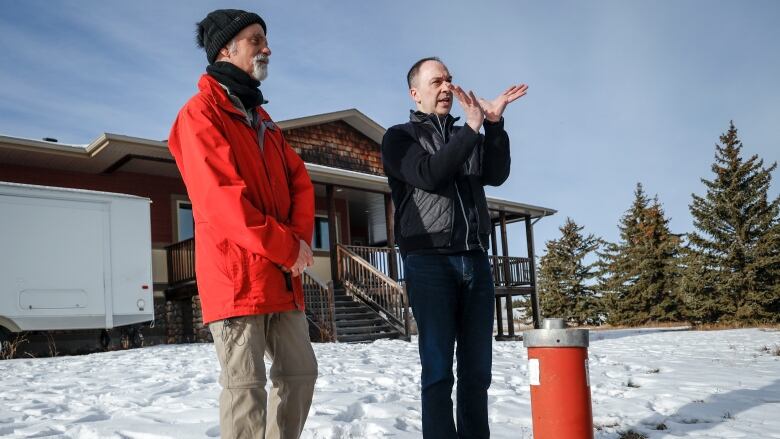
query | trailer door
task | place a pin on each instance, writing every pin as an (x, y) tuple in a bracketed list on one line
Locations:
[(55, 262)]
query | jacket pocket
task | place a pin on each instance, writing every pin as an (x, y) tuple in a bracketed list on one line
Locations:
[(256, 280), (240, 356), (480, 203), (235, 265), (427, 213)]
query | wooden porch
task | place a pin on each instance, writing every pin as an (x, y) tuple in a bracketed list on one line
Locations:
[(370, 278), (513, 276)]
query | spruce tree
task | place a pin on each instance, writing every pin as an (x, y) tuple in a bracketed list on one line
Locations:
[(733, 260), (662, 267), (640, 272), (566, 281)]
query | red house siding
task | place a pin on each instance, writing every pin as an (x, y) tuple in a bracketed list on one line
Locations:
[(158, 189), (338, 145), (335, 144)]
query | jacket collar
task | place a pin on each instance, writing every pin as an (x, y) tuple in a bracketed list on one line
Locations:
[(210, 86), (420, 117), (432, 120)]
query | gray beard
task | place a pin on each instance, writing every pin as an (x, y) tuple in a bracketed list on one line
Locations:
[(260, 71)]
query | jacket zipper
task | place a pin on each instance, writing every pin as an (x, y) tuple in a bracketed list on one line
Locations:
[(260, 144), (463, 209), (457, 192)]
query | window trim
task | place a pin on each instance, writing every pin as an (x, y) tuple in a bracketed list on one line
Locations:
[(176, 201), (321, 251)]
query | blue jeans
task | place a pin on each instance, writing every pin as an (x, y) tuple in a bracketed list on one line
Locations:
[(452, 299)]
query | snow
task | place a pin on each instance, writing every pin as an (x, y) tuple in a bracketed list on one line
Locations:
[(711, 384)]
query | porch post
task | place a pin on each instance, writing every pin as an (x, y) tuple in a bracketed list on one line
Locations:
[(494, 251), (332, 238), (390, 224), (529, 236), (505, 247)]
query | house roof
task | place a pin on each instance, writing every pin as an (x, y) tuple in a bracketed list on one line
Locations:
[(378, 183), (106, 154), (352, 117), (111, 152)]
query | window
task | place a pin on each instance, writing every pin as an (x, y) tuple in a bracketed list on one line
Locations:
[(184, 220), (321, 238)]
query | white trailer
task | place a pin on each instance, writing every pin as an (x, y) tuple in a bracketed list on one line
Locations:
[(73, 259)]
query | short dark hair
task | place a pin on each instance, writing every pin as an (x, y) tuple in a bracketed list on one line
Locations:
[(412, 75)]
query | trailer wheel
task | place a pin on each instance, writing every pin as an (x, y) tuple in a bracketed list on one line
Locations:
[(105, 339), (136, 337), (131, 337)]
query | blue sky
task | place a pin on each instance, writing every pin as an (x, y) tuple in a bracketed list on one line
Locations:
[(620, 91)]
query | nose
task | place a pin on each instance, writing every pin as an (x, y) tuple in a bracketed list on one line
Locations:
[(266, 51), (447, 85)]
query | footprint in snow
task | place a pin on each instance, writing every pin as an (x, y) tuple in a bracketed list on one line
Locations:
[(353, 412)]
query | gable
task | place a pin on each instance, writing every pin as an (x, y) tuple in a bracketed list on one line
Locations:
[(336, 144)]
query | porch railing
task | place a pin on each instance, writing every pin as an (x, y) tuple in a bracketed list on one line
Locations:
[(510, 271), (364, 281), (381, 258), (319, 305), (181, 262)]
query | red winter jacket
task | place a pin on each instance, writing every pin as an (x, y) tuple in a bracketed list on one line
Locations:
[(251, 206)]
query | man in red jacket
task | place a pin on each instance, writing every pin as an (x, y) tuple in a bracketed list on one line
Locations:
[(253, 204)]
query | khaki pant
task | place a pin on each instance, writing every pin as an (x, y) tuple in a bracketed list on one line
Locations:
[(241, 344)]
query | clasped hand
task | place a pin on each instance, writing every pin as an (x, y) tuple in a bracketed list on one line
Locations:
[(305, 259)]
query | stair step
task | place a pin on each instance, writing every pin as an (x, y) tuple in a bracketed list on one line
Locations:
[(349, 304), (360, 322), (354, 307), (366, 330), (352, 316), (365, 338)]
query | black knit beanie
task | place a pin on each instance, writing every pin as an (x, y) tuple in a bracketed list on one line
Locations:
[(219, 27)]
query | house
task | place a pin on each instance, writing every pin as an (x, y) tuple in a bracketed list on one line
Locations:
[(355, 289)]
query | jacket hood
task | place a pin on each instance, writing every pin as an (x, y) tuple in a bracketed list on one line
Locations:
[(210, 86)]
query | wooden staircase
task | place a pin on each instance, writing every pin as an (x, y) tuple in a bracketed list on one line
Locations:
[(357, 322), (366, 306)]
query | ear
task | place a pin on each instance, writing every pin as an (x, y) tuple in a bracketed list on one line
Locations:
[(414, 95), (224, 52)]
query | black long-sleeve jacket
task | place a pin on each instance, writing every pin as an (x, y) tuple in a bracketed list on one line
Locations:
[(437, 172)]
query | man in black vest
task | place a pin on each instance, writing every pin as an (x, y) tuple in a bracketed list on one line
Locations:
[(437, 172)]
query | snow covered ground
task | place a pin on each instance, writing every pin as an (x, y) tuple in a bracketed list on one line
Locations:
[(717, 384)]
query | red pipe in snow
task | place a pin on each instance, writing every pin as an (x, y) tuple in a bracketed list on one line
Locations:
[(560, 381)]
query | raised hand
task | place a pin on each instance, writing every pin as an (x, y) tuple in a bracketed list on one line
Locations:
[(495, 109), (471, 107)]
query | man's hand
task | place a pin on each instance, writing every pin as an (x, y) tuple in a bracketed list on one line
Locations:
[(474, 112), (495, 109), (305, 259)]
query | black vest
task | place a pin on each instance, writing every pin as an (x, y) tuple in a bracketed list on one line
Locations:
[(452, 219)]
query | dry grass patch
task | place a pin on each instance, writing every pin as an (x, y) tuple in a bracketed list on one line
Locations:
[(10, 348), (771, 350), (735, 325), (657, 325)]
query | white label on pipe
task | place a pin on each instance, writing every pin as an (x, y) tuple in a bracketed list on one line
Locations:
[(587, 373), (533, 371)]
